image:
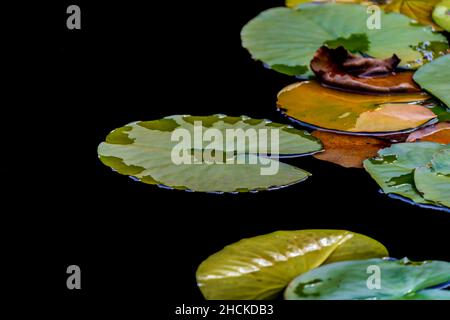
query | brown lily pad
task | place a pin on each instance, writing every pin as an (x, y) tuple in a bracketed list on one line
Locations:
[(382, 115), (348, 151), (439, 133), (342, 69)]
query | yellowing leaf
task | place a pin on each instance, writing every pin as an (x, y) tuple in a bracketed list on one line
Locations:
[(393, 117), (419, 10), (312, 104), (260, 268)]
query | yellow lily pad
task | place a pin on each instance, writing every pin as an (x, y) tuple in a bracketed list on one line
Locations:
[(320, 107), (259, 268)]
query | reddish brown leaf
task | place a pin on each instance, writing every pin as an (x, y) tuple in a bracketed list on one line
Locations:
[(339, 68), (439, 133), (348, 151)]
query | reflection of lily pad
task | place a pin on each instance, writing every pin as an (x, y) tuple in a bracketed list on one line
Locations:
[(348, 151), (310, 103), (374, 279), (288, 37), (394, 168), (261, 267), (434, 77), (145, 151)]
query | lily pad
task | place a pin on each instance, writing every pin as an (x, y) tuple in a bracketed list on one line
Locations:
[(348, 151), (439, 132), (320, 107), (374, 279), (288, 37), (418, 10), (394, 168), (433, 180), (205, 159), (260, 268), (434, 78)]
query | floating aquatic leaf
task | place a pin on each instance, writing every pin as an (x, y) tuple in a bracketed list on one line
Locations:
[(261, 267), (433, 186), (288, 37), (439, 132), (433, 180), (434, 77), (209, 161), (418, 10), (339, 68), (394, 168), (310, 103), (441, 14), (374, 279), (348, 151)]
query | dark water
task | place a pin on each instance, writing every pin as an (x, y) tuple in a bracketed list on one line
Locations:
[(135, 239)]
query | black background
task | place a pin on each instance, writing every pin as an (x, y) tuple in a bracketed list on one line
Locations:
[(141, 61)]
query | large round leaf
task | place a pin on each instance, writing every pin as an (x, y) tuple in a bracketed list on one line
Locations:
[(434, 77), (260, 267), (394, 168), (145, 150), (310, 103), (289, 38), (374, 279)]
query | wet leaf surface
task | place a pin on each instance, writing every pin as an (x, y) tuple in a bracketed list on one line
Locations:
[(144, 150), (356, 280), (348, 151), (310, 103), (260, 268), (288, 37)]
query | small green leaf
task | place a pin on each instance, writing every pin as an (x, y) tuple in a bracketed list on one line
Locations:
[(394, 168)]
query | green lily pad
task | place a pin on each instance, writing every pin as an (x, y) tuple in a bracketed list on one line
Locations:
[(149, 152), (433, 180), (290, 37), (394, 168), (260, 268), (434, 76), (357, 280)]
